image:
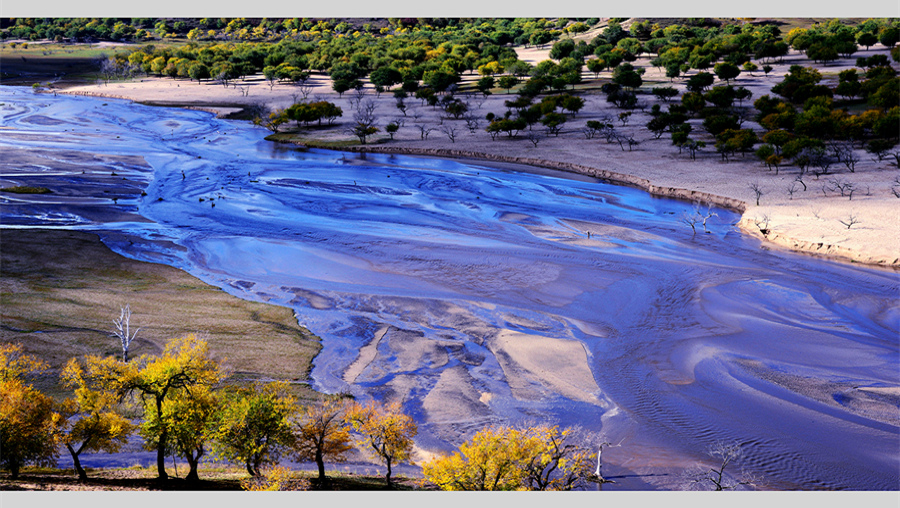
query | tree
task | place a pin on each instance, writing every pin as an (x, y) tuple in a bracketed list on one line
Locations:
[(508, 82), (665, 93), (725, 454), (385, 77), (29, 427), (726, 71), (322, 433), (392, 129), (721, 96), (822, 53), (553, 122), (700, 81), (342, 85), (92, 420), (485, 83), (626, 75), (571, 103), (505, 458), (385, 430), (867, 39), (890, 36), (562, 49), (184, 365), (596, 65), (186, 415), (123, 330), (199, 71), (364, 121), (254, 426)]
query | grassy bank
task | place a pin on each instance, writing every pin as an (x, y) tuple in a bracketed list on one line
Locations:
[(60, 291)]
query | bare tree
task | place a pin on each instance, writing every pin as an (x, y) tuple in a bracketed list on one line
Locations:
[(424, 131), (598, 473), (305, 89), (363, 121), (844, 187), (360, 92), (691, 220), (725, 454), (472, 122), (851, 219), (757, 190), (123, 330), (534, 137), (706, 216), (450, 131), (762, 224), (800, 179), (792, 189)]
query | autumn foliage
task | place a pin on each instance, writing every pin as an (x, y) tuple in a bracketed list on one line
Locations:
[(28, 425), (508, 458), (385, 431)]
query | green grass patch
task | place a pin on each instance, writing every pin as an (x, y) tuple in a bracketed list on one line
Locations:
[(25, 189), (299, 139)]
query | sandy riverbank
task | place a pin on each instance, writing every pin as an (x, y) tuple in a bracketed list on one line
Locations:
[(808, 221)]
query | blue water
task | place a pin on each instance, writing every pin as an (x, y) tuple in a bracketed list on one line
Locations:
[(475, 296)]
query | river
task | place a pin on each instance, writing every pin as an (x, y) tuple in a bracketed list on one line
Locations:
[(476, 294)]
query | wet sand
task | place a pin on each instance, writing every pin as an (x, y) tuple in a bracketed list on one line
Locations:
[(475, 296)]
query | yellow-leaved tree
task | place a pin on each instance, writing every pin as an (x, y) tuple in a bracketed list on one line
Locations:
[(183, 368), (321, 433), (92, 418), (29, 427), (384, 430), (507, 458)]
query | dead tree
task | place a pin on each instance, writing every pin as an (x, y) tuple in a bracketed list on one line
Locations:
[(123, 330), (691, 220), (705, 217), (424, 131), (451, 132), (598, 473), (851, 220), (757, 190), (792, 189), (725, 454), (762, 224)]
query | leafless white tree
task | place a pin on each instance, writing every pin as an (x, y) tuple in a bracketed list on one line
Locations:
[(725, 453), (762, 224), (123, 330)]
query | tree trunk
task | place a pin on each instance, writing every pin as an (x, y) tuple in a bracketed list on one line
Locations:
[(14, 469), (388, 475), (192, 461), (82, 475), (161, 446), (320, 462)]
